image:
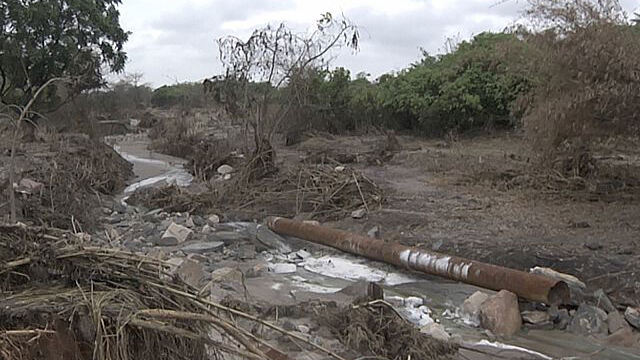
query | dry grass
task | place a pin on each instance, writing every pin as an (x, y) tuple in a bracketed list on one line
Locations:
[(63, 299)]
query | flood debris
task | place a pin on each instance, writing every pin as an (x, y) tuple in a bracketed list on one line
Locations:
[(376, 329), (529, 286), (63, 300)]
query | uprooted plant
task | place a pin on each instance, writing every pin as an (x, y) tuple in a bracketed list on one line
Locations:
[(266, 75)]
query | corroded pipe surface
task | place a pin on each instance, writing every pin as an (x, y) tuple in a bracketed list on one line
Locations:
[(528, 286)]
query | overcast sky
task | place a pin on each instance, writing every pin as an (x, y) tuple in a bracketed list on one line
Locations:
[(175, 40)]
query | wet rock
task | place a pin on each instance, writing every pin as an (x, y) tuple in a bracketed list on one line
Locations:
[(603, 301), (500, 314), (374, 232), (633, 317), (589, 320), (436, 331), (471, 306), (536, 317), (616, 321), (624, 337), (358, 214), (192, 273), (203, 247), (176, 233), (569, 279), (213, 219), (271, 239), (560, 317), (283, 268), (225, 169), (363, 291)]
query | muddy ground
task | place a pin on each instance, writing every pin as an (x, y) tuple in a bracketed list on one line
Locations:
[(482, 198)]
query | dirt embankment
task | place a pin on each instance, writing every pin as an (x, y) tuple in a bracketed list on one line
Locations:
[(63, 180)]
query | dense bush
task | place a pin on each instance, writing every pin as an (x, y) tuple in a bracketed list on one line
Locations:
[(586, 57), (186, 95), (471, 87)]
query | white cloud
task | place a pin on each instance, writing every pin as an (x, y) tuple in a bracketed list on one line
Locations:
[(175, 40)]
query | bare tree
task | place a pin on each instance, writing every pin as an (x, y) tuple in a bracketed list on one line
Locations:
[(273, 58)]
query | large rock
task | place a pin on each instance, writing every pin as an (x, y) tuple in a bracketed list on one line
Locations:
[(500, 314), (589, 320), (175, 234), (633, 316), (471, 307)]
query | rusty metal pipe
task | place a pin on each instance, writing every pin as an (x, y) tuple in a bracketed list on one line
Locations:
[(528, 286)]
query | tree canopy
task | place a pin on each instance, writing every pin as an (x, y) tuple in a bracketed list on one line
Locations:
[(42, 39)]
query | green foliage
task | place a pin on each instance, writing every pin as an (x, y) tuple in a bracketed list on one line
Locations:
[(471, 87), (184, 94), (43, 39)]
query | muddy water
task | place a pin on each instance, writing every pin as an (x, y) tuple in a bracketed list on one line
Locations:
[(326, 272)]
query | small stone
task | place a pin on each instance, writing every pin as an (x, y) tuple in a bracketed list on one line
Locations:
[(374, 232), (164, 241), (189, 223), (198, 220), (203, 247), (471, 306), (535, 317), (500, 314), (283, 268), (225, 169), (227, 177), (615, 322), (177, 232), (589, 320), (303, 254), (603, 301), (214, 219), (206, 229), (358, 214), (198, 257), (303, 329), (436, 331), (257, 270), (593, 245), (633, 317), (339, 168)]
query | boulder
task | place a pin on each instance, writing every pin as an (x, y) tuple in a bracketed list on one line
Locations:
[(176, 234), (500, 314), (589, 320), (633, 317), (471, 306), (225, 169)]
